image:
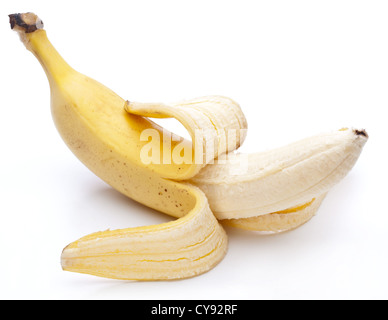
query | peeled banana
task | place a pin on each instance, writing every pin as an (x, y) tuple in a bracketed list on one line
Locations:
[(200, 182)]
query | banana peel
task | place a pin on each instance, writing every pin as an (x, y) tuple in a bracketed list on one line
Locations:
[(201, 182)]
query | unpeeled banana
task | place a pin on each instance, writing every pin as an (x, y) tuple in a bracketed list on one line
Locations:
[(200, 182)]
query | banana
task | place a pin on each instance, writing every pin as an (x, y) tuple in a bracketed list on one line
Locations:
[(93, 123), (199, 182)]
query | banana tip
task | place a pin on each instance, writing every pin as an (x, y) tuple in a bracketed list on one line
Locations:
[(361, 132)]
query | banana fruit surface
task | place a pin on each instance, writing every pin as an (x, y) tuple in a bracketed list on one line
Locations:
[(281, 178), (201, 182)]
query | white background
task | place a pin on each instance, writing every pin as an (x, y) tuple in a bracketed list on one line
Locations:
[(297, 68)]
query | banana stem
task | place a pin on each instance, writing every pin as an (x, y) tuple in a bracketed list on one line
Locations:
[(34, 37), (29, 22)]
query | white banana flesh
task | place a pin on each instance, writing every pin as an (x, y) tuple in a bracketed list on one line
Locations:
[(282, 178), (272, 191)]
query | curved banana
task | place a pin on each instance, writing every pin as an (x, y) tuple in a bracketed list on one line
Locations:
[(274, 191), (92, 122)]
